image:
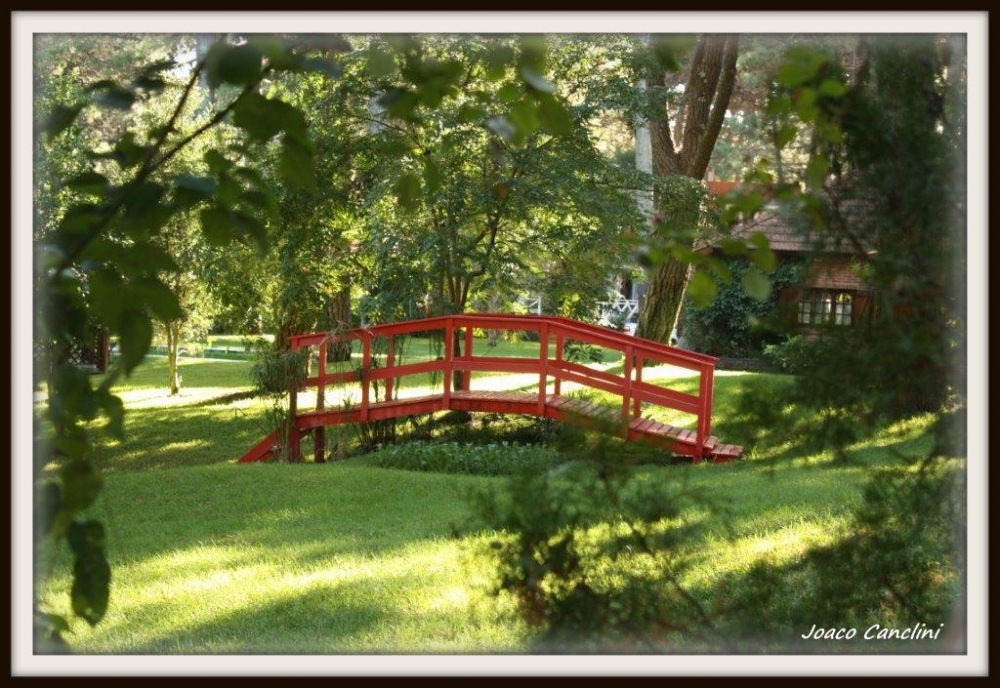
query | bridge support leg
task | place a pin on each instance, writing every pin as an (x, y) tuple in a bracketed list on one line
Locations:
[(319, 434), (292, 438)]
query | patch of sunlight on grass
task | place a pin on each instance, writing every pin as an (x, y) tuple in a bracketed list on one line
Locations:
[(422, 587), (718, 557), (665, 372), (901, 431), (181, 446), (161, 397)]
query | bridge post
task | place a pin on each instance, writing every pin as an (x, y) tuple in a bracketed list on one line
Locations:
[(467, 355), (449, 339), (319, 434), (637, 409), (559, 359), (629, 355), (707, 383), (543, 361), (366, 380), (292, 437), (390, 358)]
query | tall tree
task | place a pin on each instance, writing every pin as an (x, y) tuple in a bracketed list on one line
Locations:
[(533, 174), (696, 115), (98, 259), (886, 169)]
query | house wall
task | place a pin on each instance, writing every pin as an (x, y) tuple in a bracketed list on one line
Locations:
[(832, 273)]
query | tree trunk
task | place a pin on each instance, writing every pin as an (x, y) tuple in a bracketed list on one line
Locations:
[(709, 87), (173, 343), (658, 317), (339, 314), (493, 335)]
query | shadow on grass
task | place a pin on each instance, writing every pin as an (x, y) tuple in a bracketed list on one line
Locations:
[(224, 399), (316, 535), (196, 434), (288, 559)]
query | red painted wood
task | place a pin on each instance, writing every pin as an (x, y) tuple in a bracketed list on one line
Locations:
[(263, 449), (550, 365)]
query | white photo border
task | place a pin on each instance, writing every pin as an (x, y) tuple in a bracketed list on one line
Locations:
[(25, 24)]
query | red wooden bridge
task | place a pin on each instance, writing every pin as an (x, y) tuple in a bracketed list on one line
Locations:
[(458, 369)]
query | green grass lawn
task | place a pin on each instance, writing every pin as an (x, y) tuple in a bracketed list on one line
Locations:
[(209, 556)]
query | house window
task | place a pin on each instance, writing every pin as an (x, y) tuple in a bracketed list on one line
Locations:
[(826, 307)]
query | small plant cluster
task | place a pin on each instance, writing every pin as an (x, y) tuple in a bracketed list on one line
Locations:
[(736, 323), (503, 458), (592, 552), (792, 355), (273, 376)]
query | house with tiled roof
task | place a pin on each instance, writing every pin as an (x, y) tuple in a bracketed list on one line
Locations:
[(832, 290)]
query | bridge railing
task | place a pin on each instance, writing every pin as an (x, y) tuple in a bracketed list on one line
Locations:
[(458, 362)]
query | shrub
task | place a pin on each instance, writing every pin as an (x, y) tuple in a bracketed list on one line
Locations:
[(736, 324), (792, 355), (589, 552), (452, 457)]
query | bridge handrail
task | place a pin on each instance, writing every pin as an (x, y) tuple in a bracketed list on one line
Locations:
[(629, 385), (599, 335)]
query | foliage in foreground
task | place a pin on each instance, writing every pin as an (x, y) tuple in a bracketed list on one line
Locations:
[(599, 555), (588, 550)]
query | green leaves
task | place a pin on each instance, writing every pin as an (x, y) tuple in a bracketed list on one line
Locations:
[(90, 183), (784, 135), (380, 62), (668, 50), (221, 226), (81, 485), (102, 267), (239, 65), (189, 190), (524, 116), (407, 190), (297, 164), (126, 152), (263, 118), (91, 572), (157, 297), (143, 213), (555, 117), (802, 63), (135, 334), (702, 289), (60, 119), (217, 226), (757, 285), (110, 94), (432, 175), (536, 81), (761, 253), (816, 171), (497, 60)]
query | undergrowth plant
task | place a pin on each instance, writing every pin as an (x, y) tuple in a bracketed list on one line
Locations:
[(274, 375), (593, 554), (500, 458)]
